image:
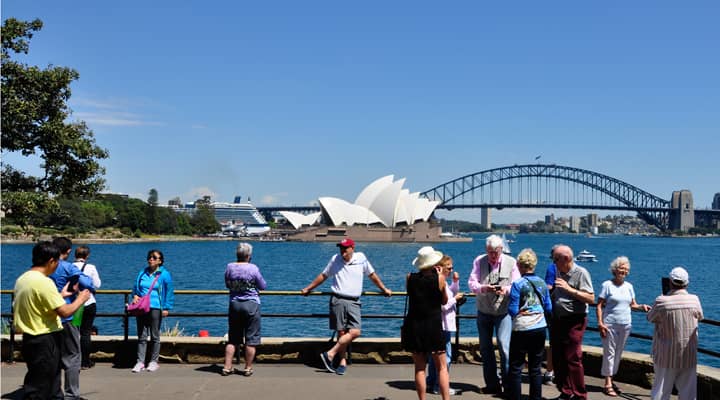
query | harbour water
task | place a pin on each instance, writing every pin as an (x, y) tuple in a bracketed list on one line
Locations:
[(291, 266)]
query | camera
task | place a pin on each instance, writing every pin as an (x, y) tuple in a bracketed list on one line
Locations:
[(665, 283)]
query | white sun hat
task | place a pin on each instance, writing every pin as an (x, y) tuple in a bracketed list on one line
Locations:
[(427, 257)]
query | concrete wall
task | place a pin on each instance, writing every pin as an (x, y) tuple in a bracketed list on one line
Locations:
[(635, 369)]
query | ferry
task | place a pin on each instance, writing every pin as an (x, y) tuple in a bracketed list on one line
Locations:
[(586, 256)]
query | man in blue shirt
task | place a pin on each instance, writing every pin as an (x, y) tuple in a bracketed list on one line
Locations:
[(68, 274), (550, 275)]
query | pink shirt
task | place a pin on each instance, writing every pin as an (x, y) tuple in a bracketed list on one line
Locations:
[(449, 310)]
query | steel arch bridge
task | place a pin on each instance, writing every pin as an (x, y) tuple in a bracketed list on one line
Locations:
[(549, 186)]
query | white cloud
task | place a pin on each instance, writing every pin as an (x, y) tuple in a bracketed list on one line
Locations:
[(273, 199), (111, 112), (198, 192), (114, 119)]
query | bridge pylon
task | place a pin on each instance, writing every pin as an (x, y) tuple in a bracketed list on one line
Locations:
[(682, 211)]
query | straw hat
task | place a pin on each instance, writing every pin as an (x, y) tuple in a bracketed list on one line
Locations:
[(427, 257)]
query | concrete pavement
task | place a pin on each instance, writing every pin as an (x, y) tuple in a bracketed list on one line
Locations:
[(275, 382)]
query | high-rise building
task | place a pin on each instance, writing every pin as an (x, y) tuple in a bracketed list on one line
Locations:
[(592, 220), (716, 202), (550, 219), (485, 218), (575, 223)]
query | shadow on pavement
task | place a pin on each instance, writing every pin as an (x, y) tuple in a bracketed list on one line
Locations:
[(15, 395)]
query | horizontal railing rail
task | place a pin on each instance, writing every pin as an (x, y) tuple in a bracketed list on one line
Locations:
[(126, 295)]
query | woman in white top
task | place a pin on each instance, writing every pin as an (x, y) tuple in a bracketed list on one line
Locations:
[(615, 304), (82, 253)]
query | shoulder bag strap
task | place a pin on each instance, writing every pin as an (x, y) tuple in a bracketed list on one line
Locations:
[(82, 269), (537, 292), (153, 283), (407, 279)]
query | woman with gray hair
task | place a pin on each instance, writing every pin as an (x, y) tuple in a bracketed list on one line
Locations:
[(615, 303), (245, 282)]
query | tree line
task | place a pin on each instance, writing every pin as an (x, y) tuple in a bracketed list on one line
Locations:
[(129, 216)]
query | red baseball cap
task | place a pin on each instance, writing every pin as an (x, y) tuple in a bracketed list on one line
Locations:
[(347, 242)]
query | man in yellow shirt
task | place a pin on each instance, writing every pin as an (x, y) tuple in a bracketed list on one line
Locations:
[(37, 310)]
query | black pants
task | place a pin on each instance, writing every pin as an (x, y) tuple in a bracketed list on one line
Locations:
[(42, 357), (532, 344), (88, 319)]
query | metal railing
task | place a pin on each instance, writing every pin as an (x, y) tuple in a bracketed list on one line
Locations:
[(126, 317)]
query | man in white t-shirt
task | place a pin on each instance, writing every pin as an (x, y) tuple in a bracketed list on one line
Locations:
[(347, 270), (82, 253)]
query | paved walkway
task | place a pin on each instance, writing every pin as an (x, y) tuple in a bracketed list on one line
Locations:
[(276, 382)]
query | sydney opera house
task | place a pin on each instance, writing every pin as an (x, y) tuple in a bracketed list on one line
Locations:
[(383, 211)]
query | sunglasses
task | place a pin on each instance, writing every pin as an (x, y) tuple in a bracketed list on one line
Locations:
[(153, 258)]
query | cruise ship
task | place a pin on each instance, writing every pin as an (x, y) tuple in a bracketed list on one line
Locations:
[(236, 218)]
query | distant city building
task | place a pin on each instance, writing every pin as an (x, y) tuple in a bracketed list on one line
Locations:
[(592, 220), (716, 202), (485, 218), (550, 219), (574, 223)]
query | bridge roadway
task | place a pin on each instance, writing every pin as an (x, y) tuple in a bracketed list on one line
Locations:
[(278, 382)]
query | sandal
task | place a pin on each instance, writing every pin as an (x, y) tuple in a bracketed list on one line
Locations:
[(226, 372), (616, 389), (609, 391), (247, 372)]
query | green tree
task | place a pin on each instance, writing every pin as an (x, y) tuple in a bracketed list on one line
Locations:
[(153, 222), (35, 122), (27, 208), (203, 221)]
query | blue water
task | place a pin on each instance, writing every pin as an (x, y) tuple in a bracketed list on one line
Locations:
[(291, 266)]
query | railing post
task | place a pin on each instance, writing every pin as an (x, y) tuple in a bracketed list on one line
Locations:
[(457, 332), (12, 328), (126, 319)]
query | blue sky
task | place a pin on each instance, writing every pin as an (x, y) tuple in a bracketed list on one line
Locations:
[(285, 102)]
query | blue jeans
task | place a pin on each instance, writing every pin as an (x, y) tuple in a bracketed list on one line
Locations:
[(502, 326), (432, 381)]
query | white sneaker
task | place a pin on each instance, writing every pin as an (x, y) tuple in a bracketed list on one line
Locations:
[(153, 366), (549, 377), (453, 392), (138, 367)]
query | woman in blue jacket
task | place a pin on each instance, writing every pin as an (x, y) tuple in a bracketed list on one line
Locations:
[(161, 302), (529, 302)]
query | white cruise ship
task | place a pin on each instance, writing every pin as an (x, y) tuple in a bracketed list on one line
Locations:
[(236, 218)]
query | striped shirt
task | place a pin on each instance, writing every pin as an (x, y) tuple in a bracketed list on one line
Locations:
[(675, 340)]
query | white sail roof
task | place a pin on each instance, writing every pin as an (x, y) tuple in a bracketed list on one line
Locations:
[(371, 191), (382, 201), (298, 220)]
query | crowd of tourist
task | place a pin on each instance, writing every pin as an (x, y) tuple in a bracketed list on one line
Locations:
[(55, 307)]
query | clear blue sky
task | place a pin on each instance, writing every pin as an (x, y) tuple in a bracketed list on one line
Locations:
[(287, 101)]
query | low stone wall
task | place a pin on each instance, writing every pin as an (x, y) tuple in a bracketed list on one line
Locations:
[(635, 369)]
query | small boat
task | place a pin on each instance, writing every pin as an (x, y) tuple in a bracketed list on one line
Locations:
[(586, 256), (506, 245)]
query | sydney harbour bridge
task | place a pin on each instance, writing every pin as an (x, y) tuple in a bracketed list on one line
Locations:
[(559, 187)]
